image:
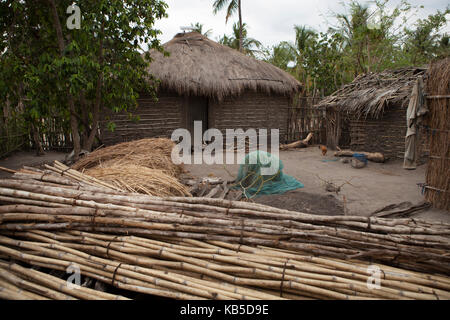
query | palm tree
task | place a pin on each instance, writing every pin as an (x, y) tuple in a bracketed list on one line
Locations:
[(232, 6), (235, 40), (282, 55), (353, 25), (303, 35), (354, 29), (198, 27)]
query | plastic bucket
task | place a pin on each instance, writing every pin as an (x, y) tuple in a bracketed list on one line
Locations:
[(361, 157)]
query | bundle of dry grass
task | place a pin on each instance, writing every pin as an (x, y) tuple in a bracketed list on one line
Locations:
[(139, 179), (438, 170), (151, 153)]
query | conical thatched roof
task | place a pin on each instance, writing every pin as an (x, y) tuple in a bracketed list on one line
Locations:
[(201, 67), (369, 94)]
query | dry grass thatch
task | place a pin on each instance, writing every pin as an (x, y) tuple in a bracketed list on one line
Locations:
[(199, 66), (153, 153), (438, 128), (139, 179), (369, 94)]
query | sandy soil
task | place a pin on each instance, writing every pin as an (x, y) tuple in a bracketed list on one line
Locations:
[(372, 187), (19, 159)]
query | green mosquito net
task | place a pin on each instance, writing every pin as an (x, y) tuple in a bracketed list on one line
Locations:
[(255, 182)]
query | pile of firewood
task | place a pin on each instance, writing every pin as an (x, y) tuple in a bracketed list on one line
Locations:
[(213, 187)]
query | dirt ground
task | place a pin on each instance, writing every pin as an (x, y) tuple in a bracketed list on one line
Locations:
[(19, 159), (370, 188)]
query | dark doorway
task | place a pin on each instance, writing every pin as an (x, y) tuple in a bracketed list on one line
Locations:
[(197, 110)]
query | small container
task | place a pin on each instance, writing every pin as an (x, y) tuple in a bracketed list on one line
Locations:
[(361, 157)]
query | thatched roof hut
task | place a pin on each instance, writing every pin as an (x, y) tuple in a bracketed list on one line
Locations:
[(198, 66), (369, 114), (368, 94), (201, 80)]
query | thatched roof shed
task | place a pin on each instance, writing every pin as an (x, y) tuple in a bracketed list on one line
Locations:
[(369, 114), (201, 80), (198, 66), (369, 94)]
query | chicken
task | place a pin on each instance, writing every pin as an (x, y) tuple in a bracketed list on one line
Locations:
[(324, 149)]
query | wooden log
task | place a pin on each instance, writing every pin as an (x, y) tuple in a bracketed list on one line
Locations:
[(7, 170), (297, 144), (372, 156)]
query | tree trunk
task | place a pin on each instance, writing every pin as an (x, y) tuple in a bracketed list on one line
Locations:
[(297, 144), (240, 27), (70, 100), (37, 140), (98, 96), (84, 119)]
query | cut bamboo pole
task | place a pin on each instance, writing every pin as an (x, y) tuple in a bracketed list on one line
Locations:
[(186, 248)]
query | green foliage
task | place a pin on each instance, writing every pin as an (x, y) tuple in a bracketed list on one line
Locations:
[(280, 55), (198, 27), (424, 41), (363, 39), (232, 7), (250, 46), (101, 65)]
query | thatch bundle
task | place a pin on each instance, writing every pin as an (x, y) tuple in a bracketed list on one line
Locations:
[(153, 153), (142, 166), (139, 179), (438, 128), (198, 66), (369, 94)]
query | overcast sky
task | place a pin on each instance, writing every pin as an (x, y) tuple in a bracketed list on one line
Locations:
[(269, 21)]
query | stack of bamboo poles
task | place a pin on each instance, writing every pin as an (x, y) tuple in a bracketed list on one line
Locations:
[(189, 248), (437, 188), (19, 283), (191, 269)]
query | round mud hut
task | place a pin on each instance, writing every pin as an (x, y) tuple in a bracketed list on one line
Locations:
[(202, 80)]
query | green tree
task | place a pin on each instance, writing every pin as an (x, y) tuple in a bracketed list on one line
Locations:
[(198, 27), (232, 7), (250, 46), (304, 37), (280, 55), (77, 72), (353, 28), (424, 41)]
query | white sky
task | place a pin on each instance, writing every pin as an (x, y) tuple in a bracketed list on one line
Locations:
[(269, 21)]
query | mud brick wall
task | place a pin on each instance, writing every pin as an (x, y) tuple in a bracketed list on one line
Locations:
[(250, 110), (157, 119), (160, 119), (385, 135)]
